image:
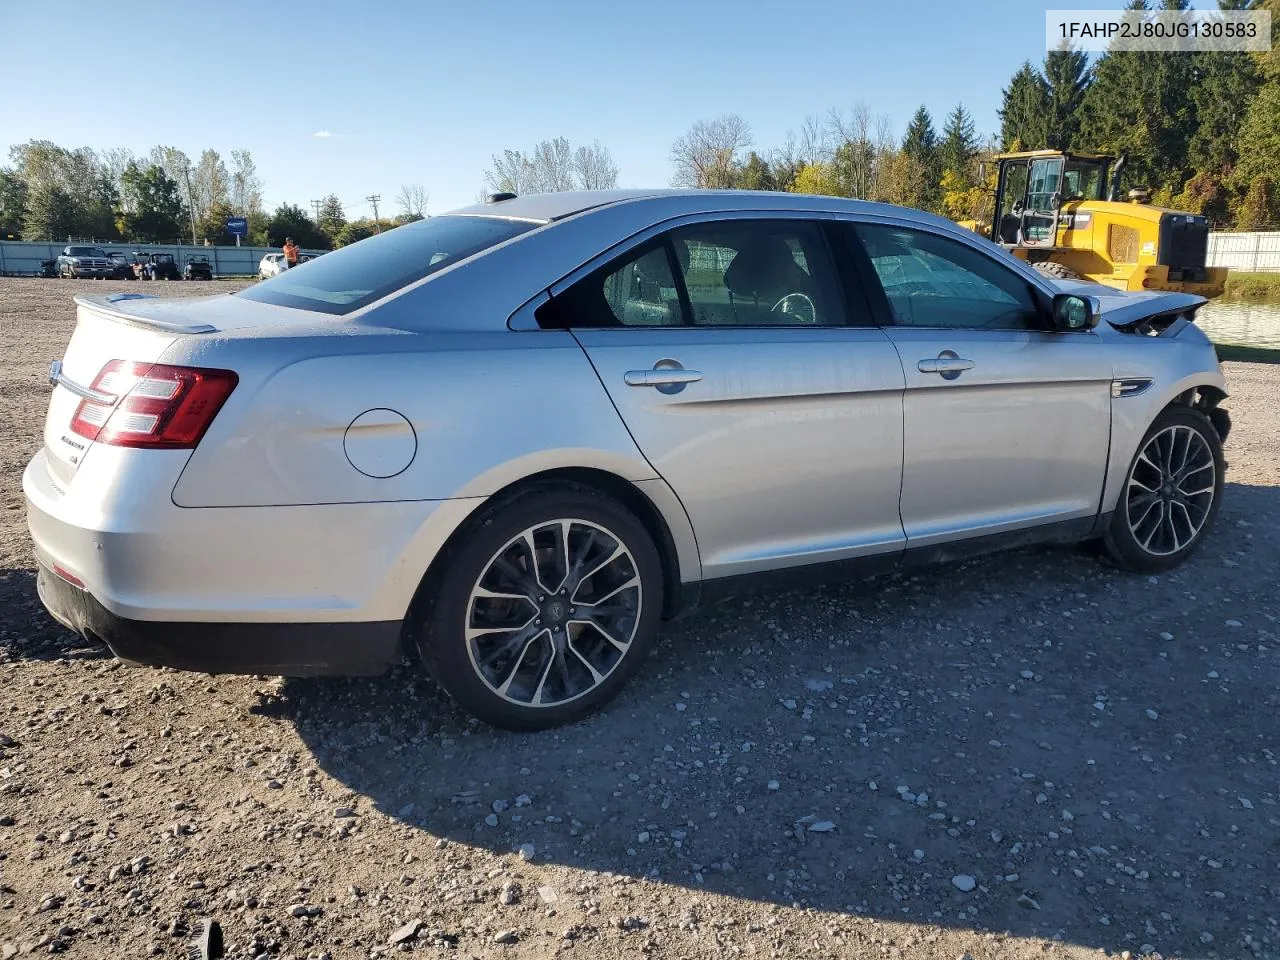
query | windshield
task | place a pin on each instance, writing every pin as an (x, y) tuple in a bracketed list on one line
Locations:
[(1083, 180), (363, 272), (85, 252)]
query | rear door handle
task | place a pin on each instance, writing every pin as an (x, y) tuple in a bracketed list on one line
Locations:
[(945, 365), (662, 377)]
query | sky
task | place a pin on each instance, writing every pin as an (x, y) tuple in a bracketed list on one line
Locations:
[(360, 98)]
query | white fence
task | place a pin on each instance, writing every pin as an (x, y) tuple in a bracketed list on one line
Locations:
[(1255, 252), (19, 258)]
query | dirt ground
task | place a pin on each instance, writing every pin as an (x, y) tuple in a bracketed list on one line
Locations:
[(1030, 754)]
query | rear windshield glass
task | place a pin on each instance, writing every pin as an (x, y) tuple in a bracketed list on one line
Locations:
[(363, 272)]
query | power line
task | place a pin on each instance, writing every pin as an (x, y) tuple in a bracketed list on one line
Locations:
[(373, 199)]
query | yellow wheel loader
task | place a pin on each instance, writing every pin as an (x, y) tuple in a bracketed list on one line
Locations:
[(1061, 213)]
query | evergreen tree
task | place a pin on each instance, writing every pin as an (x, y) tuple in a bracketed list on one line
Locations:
[(755, 174), (920, 144), (921, 141), (1225, 85), (959, 143), (1066, 72), (1259, 136), (1142, 103), (1024, 114), (332, 217)]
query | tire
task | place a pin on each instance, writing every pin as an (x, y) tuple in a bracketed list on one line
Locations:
[(532, 646), (1168, 477), (1057, 270)]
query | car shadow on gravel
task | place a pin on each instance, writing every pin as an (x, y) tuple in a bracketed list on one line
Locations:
[(27, 632), (1028, 742)]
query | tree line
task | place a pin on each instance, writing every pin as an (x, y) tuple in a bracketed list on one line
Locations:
[(1201, 131), (51, 192)]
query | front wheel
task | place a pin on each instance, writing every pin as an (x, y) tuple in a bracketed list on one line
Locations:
[(544, 609), (1054, 269), (1171, 493)]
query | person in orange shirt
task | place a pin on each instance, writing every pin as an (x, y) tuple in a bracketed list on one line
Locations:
[(290, 253)]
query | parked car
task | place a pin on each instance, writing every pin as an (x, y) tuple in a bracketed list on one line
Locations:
[(121, 266), (273, 263), (198, 268), (512, 440), (77, 262), (156, 266)]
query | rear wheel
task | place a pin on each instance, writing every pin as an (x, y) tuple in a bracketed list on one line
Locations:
[(544, 609), (1054, 269), (1171, 493)]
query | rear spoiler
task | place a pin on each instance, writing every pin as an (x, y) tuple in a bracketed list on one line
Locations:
[(105, 306)]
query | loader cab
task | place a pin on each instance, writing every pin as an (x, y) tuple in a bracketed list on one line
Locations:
[(1033, 186)]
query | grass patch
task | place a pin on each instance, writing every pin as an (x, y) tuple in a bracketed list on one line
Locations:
[(1231, 351), (1253, 287)]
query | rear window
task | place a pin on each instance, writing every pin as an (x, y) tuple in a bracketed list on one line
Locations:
[(363, 272)]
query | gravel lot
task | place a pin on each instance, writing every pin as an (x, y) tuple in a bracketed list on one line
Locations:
[(1023, 755)]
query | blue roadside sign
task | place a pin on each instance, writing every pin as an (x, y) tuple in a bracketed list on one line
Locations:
[(237, 226)]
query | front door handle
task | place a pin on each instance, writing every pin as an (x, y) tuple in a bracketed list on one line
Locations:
[(948, 365), (661, 377)]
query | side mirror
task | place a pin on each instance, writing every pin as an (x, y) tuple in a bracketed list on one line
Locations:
[(1072, 312)]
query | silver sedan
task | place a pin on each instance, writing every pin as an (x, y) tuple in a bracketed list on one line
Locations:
[(511, 440)]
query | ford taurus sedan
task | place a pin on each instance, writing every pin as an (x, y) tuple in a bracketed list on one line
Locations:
[(511, 440)]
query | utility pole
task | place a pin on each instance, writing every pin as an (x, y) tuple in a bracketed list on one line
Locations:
[(191, 208), (373, 199), (315, 205)]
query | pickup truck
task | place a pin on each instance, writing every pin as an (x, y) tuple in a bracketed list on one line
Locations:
[(79, 261)]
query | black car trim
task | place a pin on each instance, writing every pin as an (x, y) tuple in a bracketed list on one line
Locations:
[(278, 649)]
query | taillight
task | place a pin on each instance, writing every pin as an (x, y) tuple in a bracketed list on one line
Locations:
[(158, 406)]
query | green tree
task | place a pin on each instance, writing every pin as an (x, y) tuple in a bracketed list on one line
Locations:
[(153, 206), (1261, 205), (213, 226), (1066, 74), (332, 217), (290, 221), (13, 203), (920, 143), (1024, 111), (53, 174), (959, 144), (1142, 103), (51, 214), (1259, 137), (756, 174), (357, 230)]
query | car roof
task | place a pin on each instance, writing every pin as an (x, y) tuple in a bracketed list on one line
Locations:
[(546, 207)]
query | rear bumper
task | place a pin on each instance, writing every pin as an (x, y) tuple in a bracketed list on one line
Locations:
[(282, 649)]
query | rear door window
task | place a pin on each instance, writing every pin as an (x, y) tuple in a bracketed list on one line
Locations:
[(357, 275)]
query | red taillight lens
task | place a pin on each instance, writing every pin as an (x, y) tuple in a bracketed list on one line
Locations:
[(159, 407)]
